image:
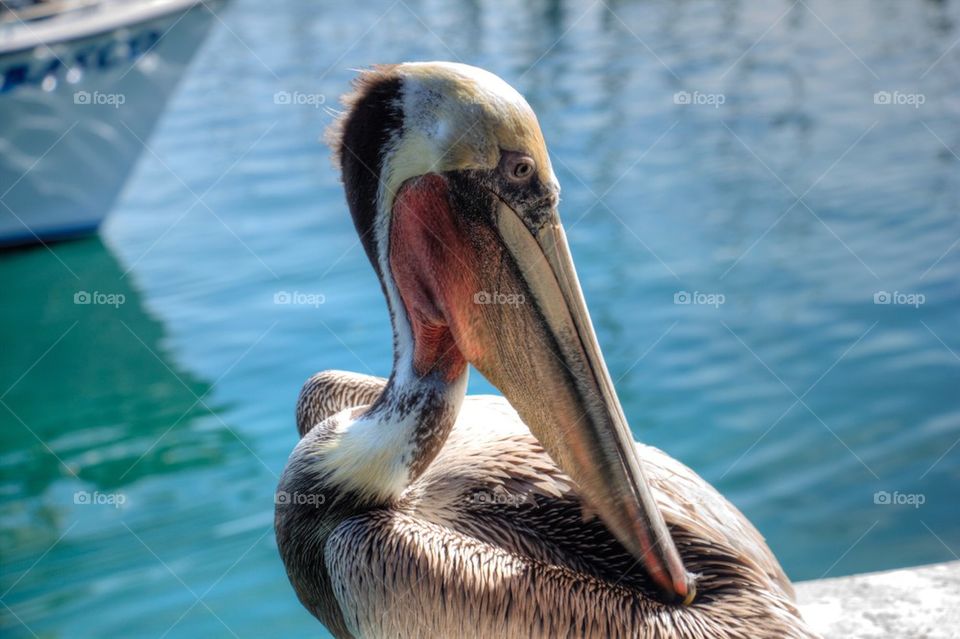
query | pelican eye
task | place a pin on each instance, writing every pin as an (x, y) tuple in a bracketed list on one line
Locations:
[(518, 168)]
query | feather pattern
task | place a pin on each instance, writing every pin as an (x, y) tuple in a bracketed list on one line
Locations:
[(492, 540)]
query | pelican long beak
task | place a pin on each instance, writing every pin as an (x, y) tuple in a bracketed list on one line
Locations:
[(510, 294)]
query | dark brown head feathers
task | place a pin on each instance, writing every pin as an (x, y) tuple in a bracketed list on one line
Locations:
[(362, 85), (359, 139)]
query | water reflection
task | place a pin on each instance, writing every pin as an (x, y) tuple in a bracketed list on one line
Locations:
[(93, 404)]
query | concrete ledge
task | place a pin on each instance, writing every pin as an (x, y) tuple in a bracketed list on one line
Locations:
[(912, 603)]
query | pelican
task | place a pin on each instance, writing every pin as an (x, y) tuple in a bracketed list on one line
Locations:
[(409, 510)]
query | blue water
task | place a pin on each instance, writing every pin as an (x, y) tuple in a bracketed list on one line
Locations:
[(798, 396)]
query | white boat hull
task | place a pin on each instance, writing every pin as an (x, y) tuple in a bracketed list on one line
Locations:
[(76, 112)]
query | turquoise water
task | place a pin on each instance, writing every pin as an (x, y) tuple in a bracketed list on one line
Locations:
[(798, 396)]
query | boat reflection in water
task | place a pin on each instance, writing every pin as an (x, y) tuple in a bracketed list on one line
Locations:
[(126, 415)]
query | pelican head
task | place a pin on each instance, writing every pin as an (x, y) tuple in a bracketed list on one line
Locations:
[(452, 192)]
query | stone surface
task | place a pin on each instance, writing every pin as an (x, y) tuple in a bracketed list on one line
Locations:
[(913, 603)]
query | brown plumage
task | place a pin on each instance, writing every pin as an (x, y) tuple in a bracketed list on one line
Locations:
[(329, 392), (408, 510), (493, 541)]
